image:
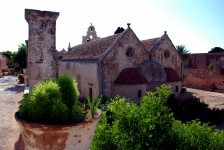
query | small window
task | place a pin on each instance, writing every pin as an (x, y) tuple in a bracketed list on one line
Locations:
[(190, 63), (166, 54), (130, 52), (60, 57), (139, 93), (177, 88), (222, 71), (198, 61), (90, 93)]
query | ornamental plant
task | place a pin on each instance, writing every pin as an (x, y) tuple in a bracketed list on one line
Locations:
[(20, 76), (151, 125), (53, 101)]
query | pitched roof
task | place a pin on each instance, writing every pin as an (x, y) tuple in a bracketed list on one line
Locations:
[(149, 43), (130, 76), (172, 75), (91, 50)]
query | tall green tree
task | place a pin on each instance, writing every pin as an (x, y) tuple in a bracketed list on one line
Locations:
[(216, 50), (182, 49), (19, 57)]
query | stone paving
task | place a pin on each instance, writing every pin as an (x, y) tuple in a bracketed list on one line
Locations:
[(10, 94)]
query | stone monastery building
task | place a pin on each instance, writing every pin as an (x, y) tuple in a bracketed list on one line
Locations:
[(122, 65), (119, 64)]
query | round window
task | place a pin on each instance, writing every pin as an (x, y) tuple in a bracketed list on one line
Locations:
[(130, 51)]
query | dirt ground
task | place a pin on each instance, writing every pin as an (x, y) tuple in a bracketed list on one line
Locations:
[(10, 94), (213, 99)]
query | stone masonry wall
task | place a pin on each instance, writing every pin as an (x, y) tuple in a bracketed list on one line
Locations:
[(203, 78), (41, 45), (84, 73), (171, 60), (117, 60)]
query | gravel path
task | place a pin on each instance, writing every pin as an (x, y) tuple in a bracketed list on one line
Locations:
[(10, 94)]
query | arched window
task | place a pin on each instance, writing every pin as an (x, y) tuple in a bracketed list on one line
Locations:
[(139, 93), (60, 57), (177, 88)]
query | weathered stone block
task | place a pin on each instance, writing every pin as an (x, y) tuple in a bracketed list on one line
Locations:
[(41, 46)]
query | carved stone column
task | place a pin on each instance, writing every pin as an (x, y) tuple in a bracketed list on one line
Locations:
[(41, 59)]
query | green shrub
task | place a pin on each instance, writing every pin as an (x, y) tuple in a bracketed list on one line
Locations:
[(196, 135), (136, 127), (68, 89), (75, 114), (20, 76), (93, 105), (151, 125), (52, 102)]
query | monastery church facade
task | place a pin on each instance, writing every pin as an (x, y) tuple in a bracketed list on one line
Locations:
[(122, 65)]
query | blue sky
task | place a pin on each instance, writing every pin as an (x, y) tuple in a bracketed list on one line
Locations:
[(197, 24)]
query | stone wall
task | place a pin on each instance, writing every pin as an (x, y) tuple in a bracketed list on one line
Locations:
[(2, 63), (119, 58), (130, 91), (84, 73), (197, 73), (41, 45), (175, 88), (203, 78), (167, 56)]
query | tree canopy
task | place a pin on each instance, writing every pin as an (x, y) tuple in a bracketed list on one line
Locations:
[(119, 30), (19, 57), (182, 49), (216, 50), (8, 54)]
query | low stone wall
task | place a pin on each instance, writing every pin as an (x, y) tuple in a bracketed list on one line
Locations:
[(203, 78)]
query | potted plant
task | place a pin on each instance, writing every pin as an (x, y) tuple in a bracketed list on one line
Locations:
[(20, 78), (50, 117)]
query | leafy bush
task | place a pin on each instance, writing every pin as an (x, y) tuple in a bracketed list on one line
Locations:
[(151, 125), (68, 89), (20, 76), (195, 135), (52, 102)]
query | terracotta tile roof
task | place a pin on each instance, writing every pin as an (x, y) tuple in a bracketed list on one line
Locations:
[(91, 50), (172, 75), (130, 76), (150, 43)]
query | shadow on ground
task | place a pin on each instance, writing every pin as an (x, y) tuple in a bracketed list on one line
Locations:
[(19, 145), (193, 108), (17, 88)]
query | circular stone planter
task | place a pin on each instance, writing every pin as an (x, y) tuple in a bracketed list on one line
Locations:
[(58, 137)]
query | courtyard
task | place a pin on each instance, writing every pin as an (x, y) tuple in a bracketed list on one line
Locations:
[(11, 93)]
